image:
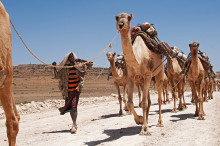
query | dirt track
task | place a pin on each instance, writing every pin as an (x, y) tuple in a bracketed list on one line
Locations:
[(99, 124)]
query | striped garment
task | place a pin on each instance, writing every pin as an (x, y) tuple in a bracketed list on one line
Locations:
[(73, 80)]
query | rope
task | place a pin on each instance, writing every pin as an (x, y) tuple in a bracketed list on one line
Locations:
[(47, 65), (159, 65)]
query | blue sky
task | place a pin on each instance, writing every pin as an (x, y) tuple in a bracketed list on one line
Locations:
[(52, 28)]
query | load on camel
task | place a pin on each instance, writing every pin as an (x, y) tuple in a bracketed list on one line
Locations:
[(119, 73), (140, 60), (6, 76)]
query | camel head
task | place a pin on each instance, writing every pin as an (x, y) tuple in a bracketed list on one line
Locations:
[(194, 47), (111, 56), (123, 21)]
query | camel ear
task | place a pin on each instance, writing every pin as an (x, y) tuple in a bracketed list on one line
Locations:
[(130, 17), (116, 17)]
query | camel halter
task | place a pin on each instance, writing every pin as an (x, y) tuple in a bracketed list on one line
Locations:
[(47, 65)]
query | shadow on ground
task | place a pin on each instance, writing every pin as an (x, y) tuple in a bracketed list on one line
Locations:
[(115, 134), (106, 117), (182, 117), (61, 131), (164, 111)]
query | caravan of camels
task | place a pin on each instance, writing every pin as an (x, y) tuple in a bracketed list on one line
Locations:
[(142, 61)]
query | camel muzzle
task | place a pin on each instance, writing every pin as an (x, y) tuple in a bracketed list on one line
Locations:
[(121, 25)]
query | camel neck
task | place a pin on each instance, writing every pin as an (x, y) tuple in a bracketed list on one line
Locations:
[(113, 69), (128, 49), (195, 62), (169, 65)]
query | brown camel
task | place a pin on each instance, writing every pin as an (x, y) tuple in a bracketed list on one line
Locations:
[(165, 90), (218, 86), (211, 85), (118, 81), (196, 75), (121, 80), (177, 81), (140, 60), (6, 75), (205, 87)]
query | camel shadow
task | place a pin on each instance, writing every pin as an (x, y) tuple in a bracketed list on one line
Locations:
[(115, 134), (61, 131), (164, 111), (183, 117), (105, 117)]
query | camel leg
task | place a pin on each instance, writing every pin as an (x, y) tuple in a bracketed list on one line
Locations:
[(138, 119), (205, 90), (119, 99), (149, 104), (12, 122), (167, 94), (164, 98), (200, 101), (159, 84), (174, 97), (145, 128), (193, 99), (194, 95), (183, 87), (139, 94), (179, 86), (125, 97)]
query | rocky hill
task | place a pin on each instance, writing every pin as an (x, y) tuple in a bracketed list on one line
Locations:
[(42, 70)]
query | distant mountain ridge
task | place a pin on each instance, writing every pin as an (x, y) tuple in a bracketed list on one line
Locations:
[(40, 69)]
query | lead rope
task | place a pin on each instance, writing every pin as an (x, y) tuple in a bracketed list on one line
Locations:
[(47, 65)]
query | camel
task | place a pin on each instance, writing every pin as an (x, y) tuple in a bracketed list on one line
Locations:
[(211, 85), (6, 76), (177, 81), (118, 81), (218, 86), (165, 90), (121, 80), (140, 60), (205, 87), (196, 75)]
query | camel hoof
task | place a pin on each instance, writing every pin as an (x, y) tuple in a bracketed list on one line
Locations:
[(180, 108), (128, 112), (120, 114), (174, 110), (159, 125), (145, 133), (140, 120), (201, 118)]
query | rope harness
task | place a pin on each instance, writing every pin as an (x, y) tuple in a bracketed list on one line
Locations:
[(47, 65)]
